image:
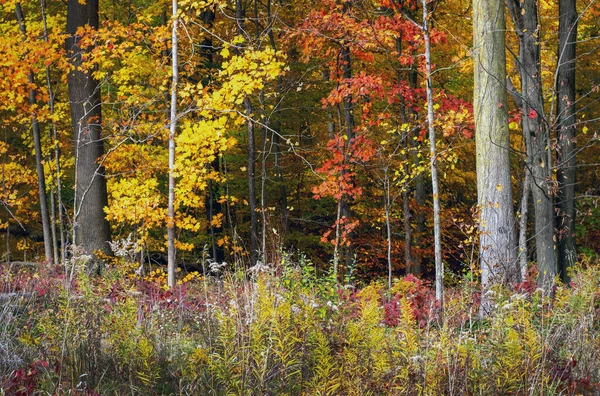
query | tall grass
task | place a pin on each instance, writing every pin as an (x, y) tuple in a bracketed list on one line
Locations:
[(283, 330)]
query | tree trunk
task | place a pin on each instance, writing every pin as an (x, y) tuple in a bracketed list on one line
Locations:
[(419, 193), (212, 199), (565, 91), (498, 254), (437, 232), (388, 225), (35, 126), (407, 215), (283, 205), (523, 253), (254, 242), (54, 138), (172, 129), (349, 126), (408, 237), (525, 18), (263, 179), (264, 138), (276, 130), (90, 228)]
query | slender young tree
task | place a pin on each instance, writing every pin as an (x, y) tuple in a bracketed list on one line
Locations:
[(265, 132), (523, 217), (407, 215), (565, 92), (35, 126), (56, 152), (172, 129), (349, 124), (276, 132), (419, 191), (212, 204), (496, 222), (437, 233), (90, 227), (254, 240)]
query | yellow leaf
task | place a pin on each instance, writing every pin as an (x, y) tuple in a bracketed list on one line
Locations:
[(585, 129), (514, 126)]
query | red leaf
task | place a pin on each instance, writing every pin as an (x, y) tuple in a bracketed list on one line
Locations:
[(532, 114)]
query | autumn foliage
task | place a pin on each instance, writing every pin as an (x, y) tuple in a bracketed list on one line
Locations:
[(301, 131)]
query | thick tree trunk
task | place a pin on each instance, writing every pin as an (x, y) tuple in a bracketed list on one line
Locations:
[(525, 18), (565, 91), (35, 126), (437, 232), (171, 265), (90, 228), (498, 253)]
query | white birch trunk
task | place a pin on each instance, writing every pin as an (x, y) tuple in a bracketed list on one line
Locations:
[(437, 233), (172, 129)]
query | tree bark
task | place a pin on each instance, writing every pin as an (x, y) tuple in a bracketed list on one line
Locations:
[(437, 232), (498, 254), (407, 215), (264, 138), (254, 241), (565, 91), (525, 18), (349, 126), (54, 138), (171, 265), (276, 130), (388, 225), (90, 228), (263, 179), (213, 207), (35, 127), (523, 218), (419, 193)]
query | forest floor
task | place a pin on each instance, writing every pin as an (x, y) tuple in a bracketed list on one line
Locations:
[(285, 330)]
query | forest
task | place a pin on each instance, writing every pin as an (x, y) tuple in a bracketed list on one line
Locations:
[(333, 197)]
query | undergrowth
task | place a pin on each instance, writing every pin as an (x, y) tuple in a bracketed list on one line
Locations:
[(284, 330)]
